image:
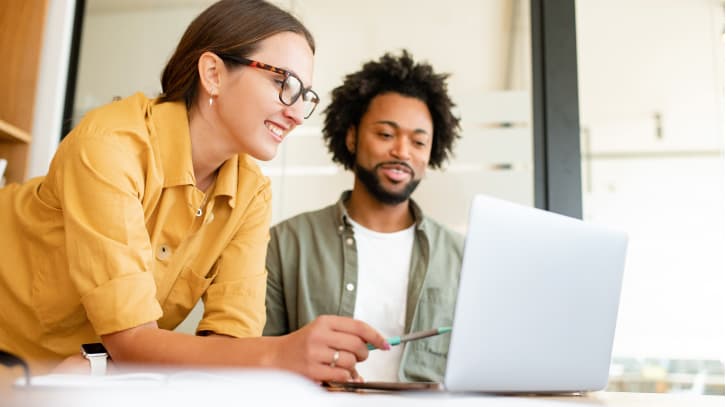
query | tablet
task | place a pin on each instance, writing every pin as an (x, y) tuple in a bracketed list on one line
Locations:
[(383, 386)]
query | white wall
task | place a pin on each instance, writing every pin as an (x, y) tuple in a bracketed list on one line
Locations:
[(125, 50), (638, 58), (51, 89)]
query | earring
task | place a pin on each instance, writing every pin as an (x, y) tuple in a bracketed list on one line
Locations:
[(211, 96)]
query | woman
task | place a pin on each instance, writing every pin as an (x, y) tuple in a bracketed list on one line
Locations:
[(151, 204)]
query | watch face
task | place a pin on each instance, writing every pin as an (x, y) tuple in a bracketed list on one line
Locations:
[(93, 348)]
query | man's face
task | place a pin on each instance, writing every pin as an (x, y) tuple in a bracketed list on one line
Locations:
[(392, 146)]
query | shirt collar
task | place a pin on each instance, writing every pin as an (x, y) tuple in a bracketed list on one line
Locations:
[(171, 124), (341, 213), (227, 179)]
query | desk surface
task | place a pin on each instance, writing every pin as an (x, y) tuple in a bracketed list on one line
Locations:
[(275, 388), (606, 399), (643, 399), (145, 397)]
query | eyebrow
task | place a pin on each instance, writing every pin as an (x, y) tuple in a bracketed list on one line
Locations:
[(396, 126)]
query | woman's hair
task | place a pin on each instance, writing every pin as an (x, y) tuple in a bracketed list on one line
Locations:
[(232, 27), (401, 75)]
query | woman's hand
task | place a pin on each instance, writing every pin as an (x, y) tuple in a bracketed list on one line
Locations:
[(328, 348)]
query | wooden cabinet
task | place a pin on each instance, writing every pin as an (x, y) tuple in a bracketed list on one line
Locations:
[(21, 35)]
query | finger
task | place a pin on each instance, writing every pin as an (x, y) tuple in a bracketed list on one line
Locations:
[(331, 374), (345, 360), (348, 343), (356, 377), (360, 329), (326, 372)]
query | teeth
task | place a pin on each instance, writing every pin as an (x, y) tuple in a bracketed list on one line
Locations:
[(278, 131), (397, 170)]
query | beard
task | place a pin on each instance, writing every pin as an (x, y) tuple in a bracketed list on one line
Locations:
[(373, 184)]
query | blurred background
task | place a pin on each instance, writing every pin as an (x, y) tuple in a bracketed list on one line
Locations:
[(650, 97)]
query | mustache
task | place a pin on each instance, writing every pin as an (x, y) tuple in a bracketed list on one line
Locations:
[(401, 163)]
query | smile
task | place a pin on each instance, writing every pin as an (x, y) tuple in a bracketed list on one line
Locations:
[(277, 131), (396, 172)]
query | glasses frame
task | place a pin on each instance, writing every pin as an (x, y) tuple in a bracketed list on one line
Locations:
[(261, 65)]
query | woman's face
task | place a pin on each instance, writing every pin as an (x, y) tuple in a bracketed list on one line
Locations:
[(251, 115)]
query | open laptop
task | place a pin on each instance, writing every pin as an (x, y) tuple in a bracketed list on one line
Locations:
[(537, 303)]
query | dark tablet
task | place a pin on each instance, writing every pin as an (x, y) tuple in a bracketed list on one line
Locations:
[(384, 386)]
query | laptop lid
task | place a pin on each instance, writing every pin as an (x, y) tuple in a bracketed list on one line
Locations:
[(537, 302)]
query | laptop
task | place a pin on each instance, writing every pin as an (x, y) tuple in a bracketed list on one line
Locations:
[(537, 303)]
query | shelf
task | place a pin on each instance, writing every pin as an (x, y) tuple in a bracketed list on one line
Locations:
[(8, 132)]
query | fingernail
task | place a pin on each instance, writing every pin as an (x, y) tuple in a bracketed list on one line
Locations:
[(387, 346)]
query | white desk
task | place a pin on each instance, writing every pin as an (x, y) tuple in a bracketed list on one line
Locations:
[(260, 388)]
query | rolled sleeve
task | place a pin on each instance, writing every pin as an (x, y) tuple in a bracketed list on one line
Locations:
[(123, 302), (234, 304)]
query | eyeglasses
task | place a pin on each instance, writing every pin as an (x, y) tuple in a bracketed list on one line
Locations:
[(291, 88)]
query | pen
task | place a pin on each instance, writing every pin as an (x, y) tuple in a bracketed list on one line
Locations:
[(397, 340)]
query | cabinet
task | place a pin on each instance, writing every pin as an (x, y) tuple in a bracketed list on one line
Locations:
[(21, 35)]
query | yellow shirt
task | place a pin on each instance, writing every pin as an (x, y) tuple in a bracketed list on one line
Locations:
[(117, 235)]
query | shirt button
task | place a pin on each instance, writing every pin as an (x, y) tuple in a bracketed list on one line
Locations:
[(349, 241), (163, 252), (199, 212), (340, 228), (350, 287)]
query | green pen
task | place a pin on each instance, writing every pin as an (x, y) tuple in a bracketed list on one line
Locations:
[(397, 340)]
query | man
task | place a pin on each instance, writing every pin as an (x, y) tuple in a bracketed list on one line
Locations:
[(373, 255)]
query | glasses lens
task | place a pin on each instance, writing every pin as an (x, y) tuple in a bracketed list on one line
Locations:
[(291, 89), (310, 101)]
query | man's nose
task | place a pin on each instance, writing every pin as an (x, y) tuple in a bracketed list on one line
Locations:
[(401, 149)]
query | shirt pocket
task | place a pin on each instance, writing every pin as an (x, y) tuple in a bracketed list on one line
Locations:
[(185, 293), (426, 358), (436, 310)]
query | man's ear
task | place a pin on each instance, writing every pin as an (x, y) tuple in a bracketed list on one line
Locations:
[(350, 140), (210, 68)]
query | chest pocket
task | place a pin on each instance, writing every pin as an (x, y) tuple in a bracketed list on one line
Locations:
[(436, 309), (186, 291)]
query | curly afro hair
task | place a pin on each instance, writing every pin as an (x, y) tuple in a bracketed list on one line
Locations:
[(399, 74)]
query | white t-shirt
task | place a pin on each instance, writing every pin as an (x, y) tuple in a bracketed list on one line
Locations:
[(384, 261)]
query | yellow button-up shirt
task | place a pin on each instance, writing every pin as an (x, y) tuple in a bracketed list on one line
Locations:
[(117, 235)]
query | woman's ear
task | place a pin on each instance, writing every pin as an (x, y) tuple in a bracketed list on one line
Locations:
[(210, 68), (350, 140)]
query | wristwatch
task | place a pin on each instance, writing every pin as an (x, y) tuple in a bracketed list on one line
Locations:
[(97, 355)]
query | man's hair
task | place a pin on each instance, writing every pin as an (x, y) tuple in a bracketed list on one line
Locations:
[(391, 74)]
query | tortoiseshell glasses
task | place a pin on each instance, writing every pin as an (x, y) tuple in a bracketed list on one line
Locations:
[(291, 88)]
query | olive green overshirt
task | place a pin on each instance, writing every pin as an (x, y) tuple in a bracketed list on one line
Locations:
[(312, 267)]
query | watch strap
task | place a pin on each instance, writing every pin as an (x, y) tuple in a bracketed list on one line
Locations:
[(98, 364)]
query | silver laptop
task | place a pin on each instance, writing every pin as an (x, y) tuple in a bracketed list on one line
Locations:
[(537, 303)]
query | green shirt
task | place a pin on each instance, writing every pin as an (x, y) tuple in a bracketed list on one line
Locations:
[(312, 269)]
